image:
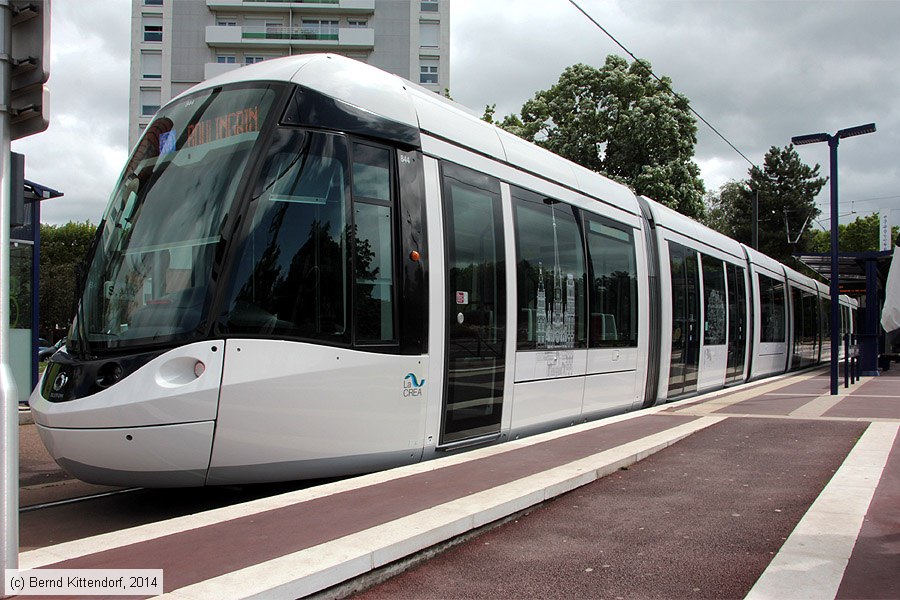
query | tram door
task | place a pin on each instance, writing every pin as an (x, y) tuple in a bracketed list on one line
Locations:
[(685, 320), (476, 305), (737, 323)]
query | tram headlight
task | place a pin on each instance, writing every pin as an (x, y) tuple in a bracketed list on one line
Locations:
[(109, 374)]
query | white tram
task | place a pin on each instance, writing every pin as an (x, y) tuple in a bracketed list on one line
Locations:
[(310, 267)]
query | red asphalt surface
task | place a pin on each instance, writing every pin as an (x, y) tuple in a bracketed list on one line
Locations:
[(195, 555), (700, 519), (874, 569)]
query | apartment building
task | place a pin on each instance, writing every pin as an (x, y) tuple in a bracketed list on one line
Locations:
[(175, 44)]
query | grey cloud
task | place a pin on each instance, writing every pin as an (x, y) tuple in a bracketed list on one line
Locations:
[(760, 71)]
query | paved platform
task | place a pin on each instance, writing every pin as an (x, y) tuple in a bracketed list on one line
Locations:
[(775, 490)]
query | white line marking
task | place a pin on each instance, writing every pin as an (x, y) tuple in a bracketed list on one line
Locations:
[(811, 562), (817, 407)]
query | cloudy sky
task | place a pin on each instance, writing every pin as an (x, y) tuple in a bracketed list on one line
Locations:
[(759, 71)]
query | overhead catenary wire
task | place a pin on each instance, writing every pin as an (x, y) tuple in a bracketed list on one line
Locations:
[(876, 199), (652, 74)]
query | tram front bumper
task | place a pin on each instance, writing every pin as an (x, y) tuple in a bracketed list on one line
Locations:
[(160, 456), (152, 428)]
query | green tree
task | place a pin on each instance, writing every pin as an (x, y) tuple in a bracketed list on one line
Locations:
[(786, 189), (489, 111), (63, 249), (721, 206), (511, 123), (861, 235), (619, 121)]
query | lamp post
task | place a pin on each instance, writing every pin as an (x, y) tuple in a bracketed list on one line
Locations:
[(754, 213), (833, 141), (754, 222)]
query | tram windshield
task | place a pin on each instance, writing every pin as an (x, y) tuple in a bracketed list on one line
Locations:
[(149, 277)]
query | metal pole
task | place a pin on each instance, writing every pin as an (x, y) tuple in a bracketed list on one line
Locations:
[(754, 222), (35, 287), (9, 397), (846, 360), (835, 287)]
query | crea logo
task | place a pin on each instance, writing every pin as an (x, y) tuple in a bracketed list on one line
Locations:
[(412, 386)]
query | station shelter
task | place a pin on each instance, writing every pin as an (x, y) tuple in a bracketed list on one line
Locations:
[(862, 275), (24, 280)]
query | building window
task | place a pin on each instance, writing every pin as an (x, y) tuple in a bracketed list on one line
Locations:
[(357, 23), (226, 22), (429, 34), (269, 28), (253, 59), (151, 100), (151, 65), (428, 71), (153, 2), (429, 6), (152, 29), (226, 59)]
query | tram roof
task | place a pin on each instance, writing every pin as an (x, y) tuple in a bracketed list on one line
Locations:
[(675, 221), (763, 260), (396, 99)]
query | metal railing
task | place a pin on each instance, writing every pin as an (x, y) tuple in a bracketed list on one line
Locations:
[(289, 33), (851, 359)]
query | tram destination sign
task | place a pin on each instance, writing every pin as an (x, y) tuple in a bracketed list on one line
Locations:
[(218, 128)]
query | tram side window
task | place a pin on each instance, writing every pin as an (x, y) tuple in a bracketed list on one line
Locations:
[(292, 279), (771, 298), (714, 328), (845, 319), (613, 298), (798, 314), (550, 273), (373, 247), (811, 323)]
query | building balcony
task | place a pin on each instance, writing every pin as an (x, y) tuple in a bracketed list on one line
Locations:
[(344, 7), (345, 38)]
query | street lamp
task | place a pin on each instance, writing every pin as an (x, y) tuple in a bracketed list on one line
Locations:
[(833, 141), (754, 222)]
